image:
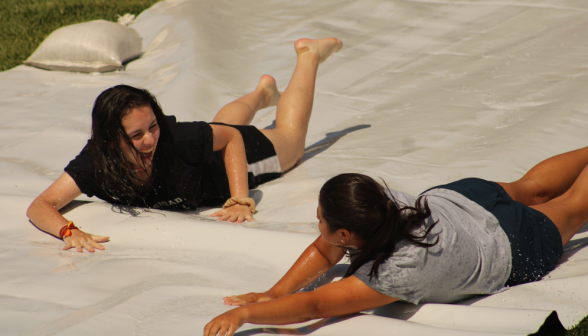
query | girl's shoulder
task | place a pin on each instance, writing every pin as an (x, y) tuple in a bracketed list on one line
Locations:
[(189, 130), (193, 142), (82, 163), (83, 172), (401, 198)]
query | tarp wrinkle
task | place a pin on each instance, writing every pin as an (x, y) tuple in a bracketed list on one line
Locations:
[(423, 93)]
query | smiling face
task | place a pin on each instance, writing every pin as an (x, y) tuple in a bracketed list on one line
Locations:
[(142, 128)]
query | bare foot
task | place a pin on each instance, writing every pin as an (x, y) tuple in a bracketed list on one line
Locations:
[(269, 90), (323, 47)]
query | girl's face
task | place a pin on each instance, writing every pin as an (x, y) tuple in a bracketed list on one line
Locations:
[(142, 128), (340, 238), (326, 234)]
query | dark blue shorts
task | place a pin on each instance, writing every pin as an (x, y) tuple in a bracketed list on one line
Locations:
[(535, 241)]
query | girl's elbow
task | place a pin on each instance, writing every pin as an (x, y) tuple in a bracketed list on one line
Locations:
[(36, 207), (31, 209), (314, 306), (323, 307)]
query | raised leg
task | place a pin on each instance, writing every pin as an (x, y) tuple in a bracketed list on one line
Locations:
[(569, 211), (295, 105), (242, 110), (548, 179)]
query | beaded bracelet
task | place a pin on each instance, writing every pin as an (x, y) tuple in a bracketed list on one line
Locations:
[(66, 230), (242, 201)]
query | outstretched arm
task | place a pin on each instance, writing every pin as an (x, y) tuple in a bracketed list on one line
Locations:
[(343, 297), (229, 140), (44, 213), (318, 258)]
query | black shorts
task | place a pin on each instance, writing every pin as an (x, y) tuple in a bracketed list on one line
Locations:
[(263, 164), (535, 241)]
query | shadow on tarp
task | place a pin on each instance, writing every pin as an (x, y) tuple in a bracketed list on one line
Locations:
[(572, 247), (72, 205), (306, 330), (551, 327), (120, 208), (330, 139), (337, 271), (398, 310), (583, 229)]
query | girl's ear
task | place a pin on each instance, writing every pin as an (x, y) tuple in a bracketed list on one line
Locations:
[(344, 235), (349, 239)]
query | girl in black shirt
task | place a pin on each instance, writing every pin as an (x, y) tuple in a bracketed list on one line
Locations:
[(138, 156)]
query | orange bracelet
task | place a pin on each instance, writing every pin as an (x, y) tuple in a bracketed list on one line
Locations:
[(66, 230)]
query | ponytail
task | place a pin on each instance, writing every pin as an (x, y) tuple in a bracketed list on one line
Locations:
[(359, 204)]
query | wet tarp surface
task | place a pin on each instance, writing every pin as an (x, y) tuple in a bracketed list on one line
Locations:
[(423, 93)]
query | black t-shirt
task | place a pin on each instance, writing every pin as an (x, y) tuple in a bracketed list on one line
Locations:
[(199, 177)]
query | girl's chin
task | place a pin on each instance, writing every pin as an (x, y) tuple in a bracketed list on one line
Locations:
[(147, 160), (141, 166), (147, 163)]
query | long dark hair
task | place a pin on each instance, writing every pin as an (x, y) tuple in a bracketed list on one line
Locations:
[(359, 204), (113, 171)]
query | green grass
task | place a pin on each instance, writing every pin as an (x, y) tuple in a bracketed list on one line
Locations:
[(24, 24), (581, 329)]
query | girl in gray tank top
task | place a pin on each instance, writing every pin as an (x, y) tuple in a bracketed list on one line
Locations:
[(453, 241)]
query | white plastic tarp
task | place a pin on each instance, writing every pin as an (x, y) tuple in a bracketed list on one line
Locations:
[(423, 93)]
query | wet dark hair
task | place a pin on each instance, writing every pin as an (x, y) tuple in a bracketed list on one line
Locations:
[(113, 171), (359, 204)]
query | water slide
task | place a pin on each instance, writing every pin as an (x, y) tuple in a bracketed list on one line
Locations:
[(424, 92)]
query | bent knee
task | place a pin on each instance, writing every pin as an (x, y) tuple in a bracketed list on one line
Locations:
[(526, 191), (288, 162), (569, 213)]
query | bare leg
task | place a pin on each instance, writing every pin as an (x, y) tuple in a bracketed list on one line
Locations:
[(295, 105), (548, 179), (569, 211), (242, 110)]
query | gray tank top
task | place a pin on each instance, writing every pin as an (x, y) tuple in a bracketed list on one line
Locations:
[(472, 256)]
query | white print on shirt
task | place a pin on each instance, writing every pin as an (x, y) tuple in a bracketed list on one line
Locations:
[(168, 203)]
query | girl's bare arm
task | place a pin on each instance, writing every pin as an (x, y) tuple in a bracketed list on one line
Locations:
[(318, 258), (44, 213), (229, 140), (343, 297)]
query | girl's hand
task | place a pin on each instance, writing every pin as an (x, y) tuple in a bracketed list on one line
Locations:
[(225, 324), (236, 213), (81, 240), (245, 299)]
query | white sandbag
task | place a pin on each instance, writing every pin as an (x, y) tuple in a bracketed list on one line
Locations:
[(95, 46)]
